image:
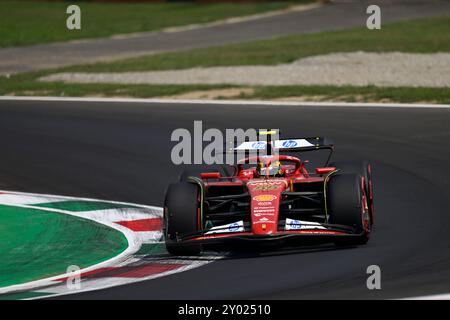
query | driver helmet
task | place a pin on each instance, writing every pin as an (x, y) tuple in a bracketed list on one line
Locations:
[(273, 170)]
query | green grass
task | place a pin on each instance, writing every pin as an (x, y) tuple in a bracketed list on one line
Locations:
[(26, 22), (26, 85), (36, 244), (354, 94), (419, 36), (24, 295), (82, 205)]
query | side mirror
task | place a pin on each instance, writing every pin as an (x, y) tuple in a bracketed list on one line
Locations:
[(325, 170), (210, 175)]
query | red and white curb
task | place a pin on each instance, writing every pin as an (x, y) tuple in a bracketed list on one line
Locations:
[(140, 224)]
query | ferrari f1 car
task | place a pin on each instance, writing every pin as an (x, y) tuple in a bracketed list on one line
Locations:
[(270, 199)]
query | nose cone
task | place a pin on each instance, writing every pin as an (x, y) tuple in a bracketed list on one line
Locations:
[(266, 195)]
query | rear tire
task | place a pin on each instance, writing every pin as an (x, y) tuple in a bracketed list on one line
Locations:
[(346, 207), (181, 217), (363, 168)]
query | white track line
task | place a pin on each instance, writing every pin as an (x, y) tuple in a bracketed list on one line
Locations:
[(230, 102), (157, 209), (444, 296)]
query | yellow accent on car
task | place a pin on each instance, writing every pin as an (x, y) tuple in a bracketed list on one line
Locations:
[(267, 133)]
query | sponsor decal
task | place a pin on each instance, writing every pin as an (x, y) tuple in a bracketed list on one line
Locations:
[(289, 144), (259, 145), (270, 182), (264, 204), (264, 214), (265, 197), (265, 187), (231, 227), (257, 210), (252, 145), (319, 232), (292, 224), (292, 143), (264, 211)]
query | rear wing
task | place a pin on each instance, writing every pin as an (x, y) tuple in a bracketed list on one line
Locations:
[(266, 146), (290, 145), (303, 144)]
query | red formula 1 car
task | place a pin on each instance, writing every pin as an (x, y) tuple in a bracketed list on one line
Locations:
[(270, 199)]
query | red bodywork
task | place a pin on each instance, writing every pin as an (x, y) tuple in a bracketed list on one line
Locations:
[(266, 195)]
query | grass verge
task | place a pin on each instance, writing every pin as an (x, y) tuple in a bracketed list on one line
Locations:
[(420, 36), (417, 36), (28, 22), (26, 85), (352, 94), (38, 244)]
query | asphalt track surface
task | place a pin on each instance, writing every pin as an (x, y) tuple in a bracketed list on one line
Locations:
[(334, 16), (121, 151)]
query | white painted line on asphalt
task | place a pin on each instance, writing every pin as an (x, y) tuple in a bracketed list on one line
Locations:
[(17, 199), (230, 102), (157, 209), (445, 296)]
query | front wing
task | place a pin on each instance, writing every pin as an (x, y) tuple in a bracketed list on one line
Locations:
[(331, 233)]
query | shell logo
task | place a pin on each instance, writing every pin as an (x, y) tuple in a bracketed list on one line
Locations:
[(265, 197)]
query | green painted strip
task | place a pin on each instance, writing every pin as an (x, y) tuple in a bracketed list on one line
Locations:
[(24, 295), (36, 244), (152, 248), (78, 205)]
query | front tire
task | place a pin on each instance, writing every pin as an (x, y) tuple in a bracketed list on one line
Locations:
[(363, 168), (181, 210), (346, 197)]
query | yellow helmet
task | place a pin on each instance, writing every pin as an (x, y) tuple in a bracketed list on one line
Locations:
[(272, 170)]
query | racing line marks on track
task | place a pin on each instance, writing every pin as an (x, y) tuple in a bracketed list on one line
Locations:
[(144, 259)]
